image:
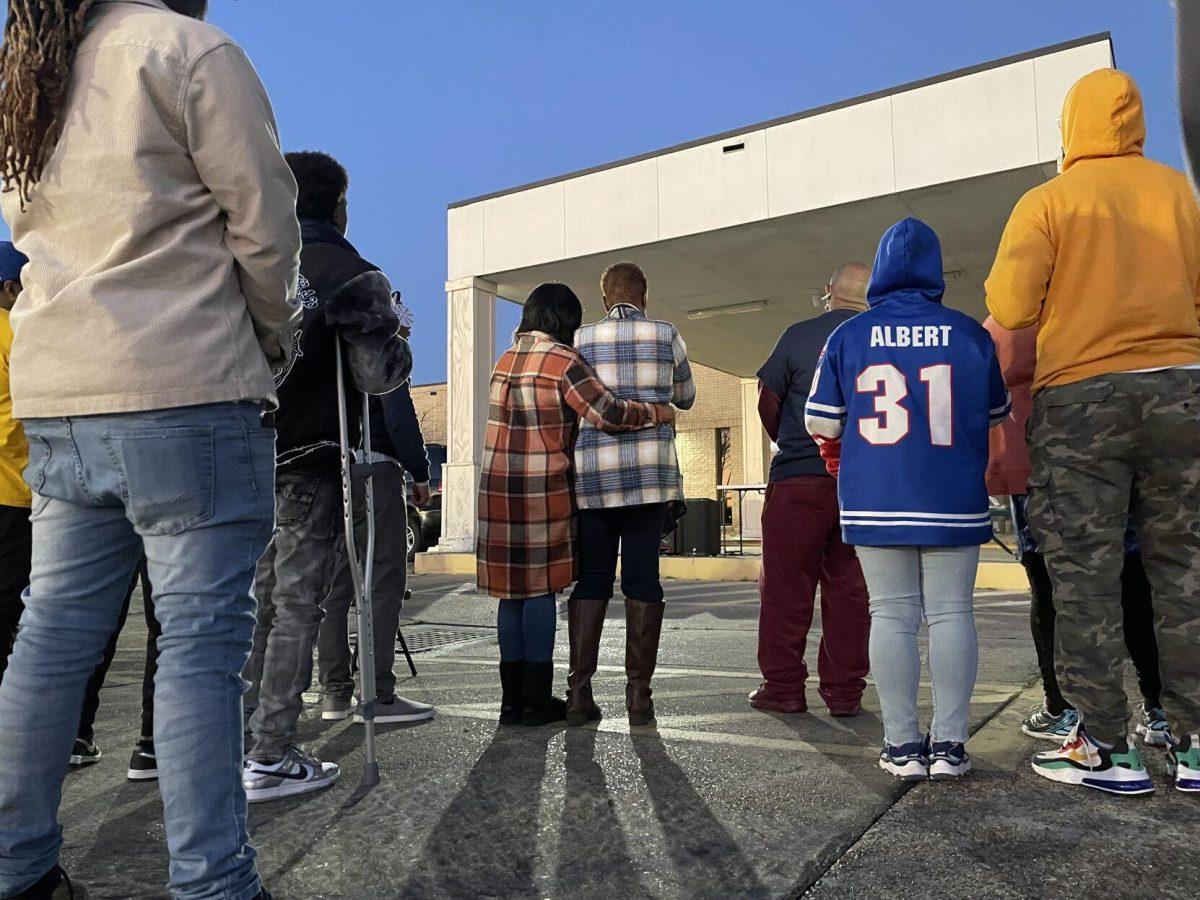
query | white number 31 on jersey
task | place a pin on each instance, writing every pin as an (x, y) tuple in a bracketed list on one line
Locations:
[(890, 424)]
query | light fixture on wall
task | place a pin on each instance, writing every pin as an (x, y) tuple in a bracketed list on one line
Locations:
[(730, 309)]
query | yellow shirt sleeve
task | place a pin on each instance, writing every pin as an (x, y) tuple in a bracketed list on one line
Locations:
[(14, 451), (1020, 277)]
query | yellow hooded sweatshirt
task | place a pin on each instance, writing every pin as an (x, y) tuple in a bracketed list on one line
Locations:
[(1105, 257)]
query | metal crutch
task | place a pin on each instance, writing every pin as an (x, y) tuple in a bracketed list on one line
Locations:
[(354, 472)]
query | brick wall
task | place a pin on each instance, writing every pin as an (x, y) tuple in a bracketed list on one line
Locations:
[(718, 405), (430, 401)]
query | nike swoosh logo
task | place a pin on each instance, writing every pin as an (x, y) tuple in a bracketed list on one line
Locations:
[(291, 776)]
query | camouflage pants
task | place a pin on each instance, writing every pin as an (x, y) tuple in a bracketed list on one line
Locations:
[(1102, 449)]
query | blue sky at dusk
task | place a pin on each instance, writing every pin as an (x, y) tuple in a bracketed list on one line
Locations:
[(428, 103)]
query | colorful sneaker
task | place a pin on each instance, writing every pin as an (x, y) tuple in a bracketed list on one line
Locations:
[(1088, 763), (1045, 726), (908, 762), (1153, 726), (85, 753), (948, 760), (1185, 764), (296, 773)]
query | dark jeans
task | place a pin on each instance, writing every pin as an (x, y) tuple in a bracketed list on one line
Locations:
[(387, 595), (634, 532), (16, 548), (91, 700)]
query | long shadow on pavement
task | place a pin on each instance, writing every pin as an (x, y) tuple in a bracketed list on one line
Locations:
[(706, 856), (486, 842), (593, 856), (129, 846)]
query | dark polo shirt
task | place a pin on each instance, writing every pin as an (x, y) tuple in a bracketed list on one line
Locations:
[(785, 380)]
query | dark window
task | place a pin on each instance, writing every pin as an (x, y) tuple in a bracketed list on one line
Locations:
[(724, 450)]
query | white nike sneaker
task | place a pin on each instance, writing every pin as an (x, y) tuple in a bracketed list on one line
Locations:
[(296, 773)]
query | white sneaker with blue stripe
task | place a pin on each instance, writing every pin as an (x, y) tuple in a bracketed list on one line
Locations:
[(908, 762), (948, 760)]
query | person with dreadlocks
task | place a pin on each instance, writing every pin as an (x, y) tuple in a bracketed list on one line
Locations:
[(143, 179)]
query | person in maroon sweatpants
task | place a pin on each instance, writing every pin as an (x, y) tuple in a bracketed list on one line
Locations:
[(802, 541)]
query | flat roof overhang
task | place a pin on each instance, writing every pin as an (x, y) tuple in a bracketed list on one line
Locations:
[(739, 232)]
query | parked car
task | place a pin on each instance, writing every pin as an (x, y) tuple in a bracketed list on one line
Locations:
[(425, 523)]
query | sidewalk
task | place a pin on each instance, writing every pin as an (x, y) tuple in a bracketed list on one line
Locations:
[(722, 801)]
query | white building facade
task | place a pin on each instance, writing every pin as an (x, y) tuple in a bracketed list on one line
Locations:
[(738, 232)]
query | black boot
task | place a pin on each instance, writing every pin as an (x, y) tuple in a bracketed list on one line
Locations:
[(541, 706), (512, 701)]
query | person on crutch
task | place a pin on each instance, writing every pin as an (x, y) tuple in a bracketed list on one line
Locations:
[(346, 300), (398, 445)]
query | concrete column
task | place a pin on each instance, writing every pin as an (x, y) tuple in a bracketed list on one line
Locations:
[(471, 313), (756, 445)]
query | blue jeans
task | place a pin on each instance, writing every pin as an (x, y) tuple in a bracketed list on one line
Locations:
[(526, 629), (907, 584), (192, 486)]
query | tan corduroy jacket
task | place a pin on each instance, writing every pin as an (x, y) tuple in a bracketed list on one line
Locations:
[(162, 237)]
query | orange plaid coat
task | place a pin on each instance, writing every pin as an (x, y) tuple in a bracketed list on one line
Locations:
[(540, 389)]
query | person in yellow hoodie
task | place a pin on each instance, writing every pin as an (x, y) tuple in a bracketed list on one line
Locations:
[(15, 498), (1105, 258)]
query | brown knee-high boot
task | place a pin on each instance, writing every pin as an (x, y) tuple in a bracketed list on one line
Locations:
[(585, 622), (643, 626)]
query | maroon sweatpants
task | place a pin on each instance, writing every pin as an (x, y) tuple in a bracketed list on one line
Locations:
[(802, 548)]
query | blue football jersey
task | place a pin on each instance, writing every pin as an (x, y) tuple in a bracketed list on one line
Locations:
[(911, 389)]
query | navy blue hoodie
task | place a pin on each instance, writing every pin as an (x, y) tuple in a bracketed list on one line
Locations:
[(396, 431)]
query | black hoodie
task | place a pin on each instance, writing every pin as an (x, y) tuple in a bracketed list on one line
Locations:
[(342, 295)]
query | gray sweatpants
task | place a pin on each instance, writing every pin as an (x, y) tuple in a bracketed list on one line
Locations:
[(390, 580), (908, 584)]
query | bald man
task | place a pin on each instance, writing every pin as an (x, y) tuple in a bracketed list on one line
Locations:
[(802, 541)]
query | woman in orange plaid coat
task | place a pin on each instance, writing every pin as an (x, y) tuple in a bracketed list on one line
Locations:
[(526, 552)]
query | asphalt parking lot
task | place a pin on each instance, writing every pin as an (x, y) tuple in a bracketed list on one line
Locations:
[(718, 801)]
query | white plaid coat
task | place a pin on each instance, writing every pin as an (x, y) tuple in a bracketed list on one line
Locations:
[(637, 358)]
